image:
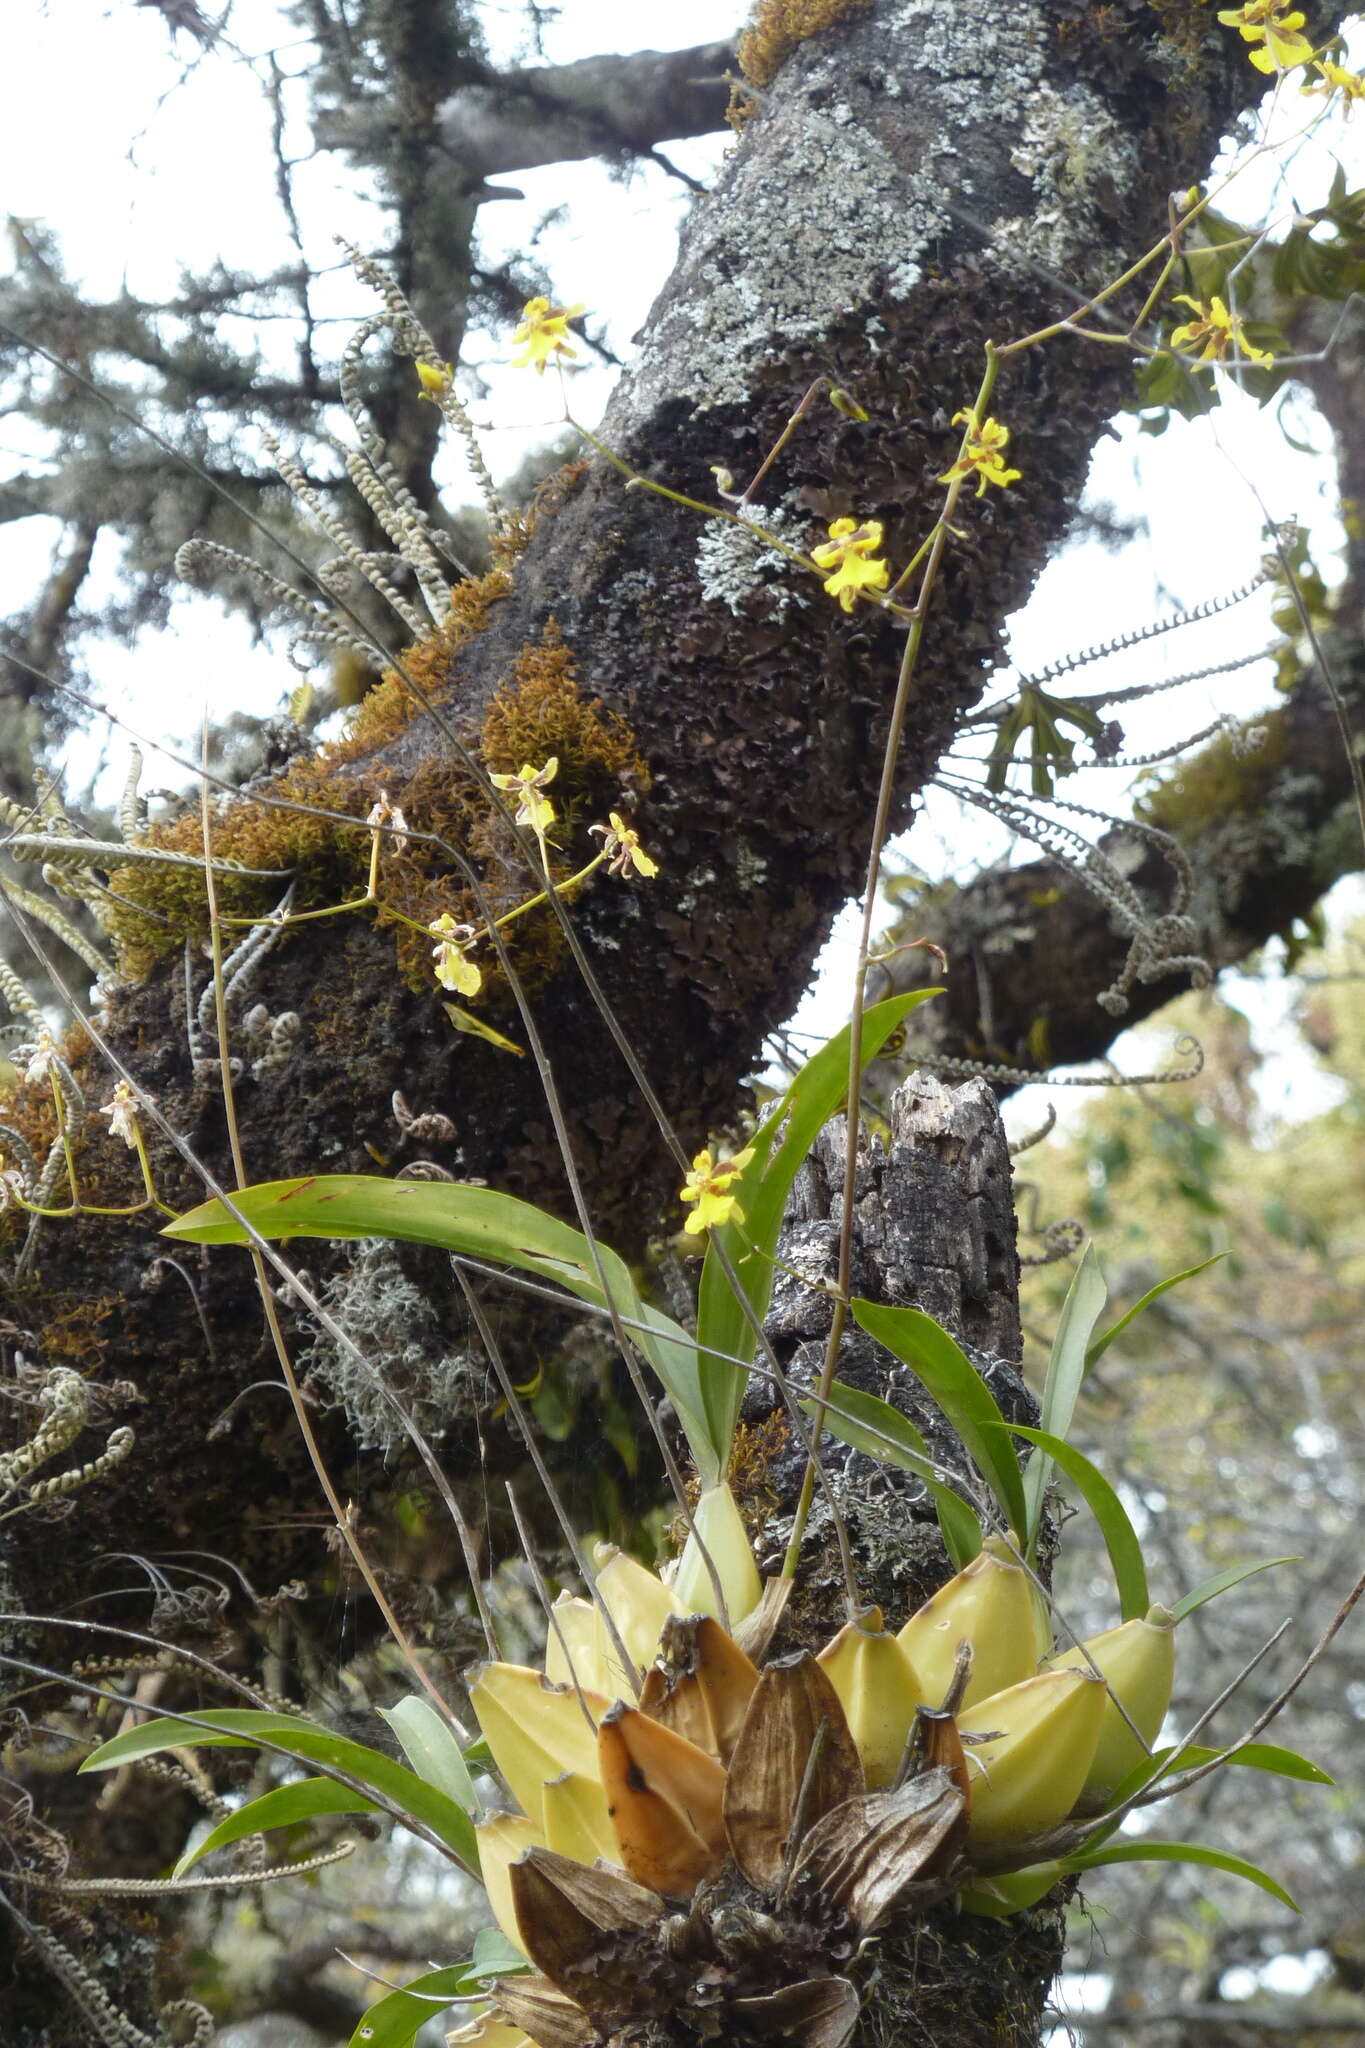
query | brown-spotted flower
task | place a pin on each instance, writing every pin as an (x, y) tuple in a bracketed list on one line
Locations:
[(983, 454), (1335, 78), (1275, 25), (454, 968), (710, 1186), (1215, 333), (544, 329), (533, 807), (851, 553), (621, 844)]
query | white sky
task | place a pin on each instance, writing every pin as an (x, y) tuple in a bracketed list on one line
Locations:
[(139, 173)]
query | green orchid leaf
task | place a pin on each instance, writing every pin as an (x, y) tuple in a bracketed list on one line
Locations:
[(1255, 1756), (494, 1955), (285, 1807), (872, 1425), (1101, 1344), (949, 1377), (725, 1331), (309, 1742), (1066, 1367), (394, 2021), (430, 1746), (1120, 1537), (1222, 1582), (1141, 1851), (478, 1223)]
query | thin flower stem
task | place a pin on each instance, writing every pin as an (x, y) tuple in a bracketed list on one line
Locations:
[(341, 1515), (783, 438), (880, 827)]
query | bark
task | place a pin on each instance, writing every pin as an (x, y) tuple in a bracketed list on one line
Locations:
[(835, 245), (915, 182), (1266, 832), (934, 1228), (549, 114)]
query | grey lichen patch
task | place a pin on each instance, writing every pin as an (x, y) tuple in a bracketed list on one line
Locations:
[(396, 1328), (734, 564), (1074, 154), (846, 180)]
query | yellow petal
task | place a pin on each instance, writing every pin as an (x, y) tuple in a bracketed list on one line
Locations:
[(535, 1730)]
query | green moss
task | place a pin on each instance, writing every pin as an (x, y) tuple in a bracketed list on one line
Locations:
[(1218, 782)]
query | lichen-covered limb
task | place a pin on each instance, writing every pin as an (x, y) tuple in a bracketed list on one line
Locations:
[(1267, 831), (913, 184)]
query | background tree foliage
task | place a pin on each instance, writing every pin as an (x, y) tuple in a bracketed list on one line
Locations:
[(1228, 1414)]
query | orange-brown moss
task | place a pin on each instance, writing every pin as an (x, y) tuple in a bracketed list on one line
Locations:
[(538, 711), (779, 25), (71, 1335)]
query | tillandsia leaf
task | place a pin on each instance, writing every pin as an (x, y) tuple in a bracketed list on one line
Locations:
[(867, 1856), (1120, 1537), (1099, 1345), (394, 2021), (872, 1425), (573, 1921), (794, 1762), (575, 1819), (1035, 1744), (724, 1330), (431, 1748), (878, 1690), (478, 1223), (719, 1541), (949, 1377), (701, 1686), (502, 1838), (1146, 1851), (493, 1954), (995, 1898), (665, 1798), (1223, 1582), (285, 1807), (310, 1742), (819, 2012), (1066, 1369)]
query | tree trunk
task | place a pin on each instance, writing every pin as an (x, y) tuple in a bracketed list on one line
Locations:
[(934, 1229)]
